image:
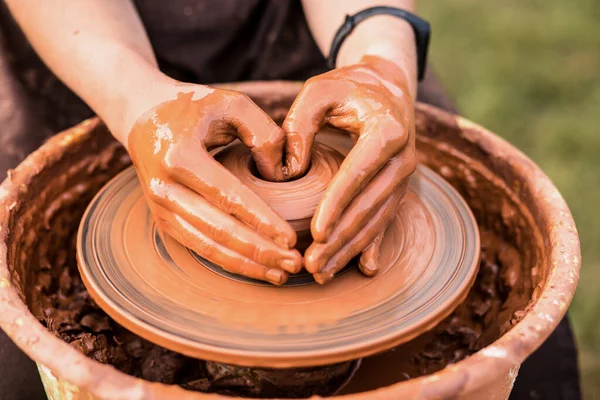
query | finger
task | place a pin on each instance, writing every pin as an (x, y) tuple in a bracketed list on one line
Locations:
[(391, 179), (211, 180), (182, 231), (260, 134), (369, 259), (318, 255), (305, 119), (374, 148), (360, 242), (228, 231)]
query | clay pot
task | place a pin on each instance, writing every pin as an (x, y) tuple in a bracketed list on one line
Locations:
[(48, 192)]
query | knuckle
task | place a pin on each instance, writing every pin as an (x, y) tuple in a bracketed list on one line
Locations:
[(257, 255), (271, 136), (290, 124), (230, 203), (241, 267), (229, 94), (231, 99), (406, 166)]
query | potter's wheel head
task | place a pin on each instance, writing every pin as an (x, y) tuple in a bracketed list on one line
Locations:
[(165, 293)]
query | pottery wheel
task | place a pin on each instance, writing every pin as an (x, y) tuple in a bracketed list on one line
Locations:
[(165, 293)]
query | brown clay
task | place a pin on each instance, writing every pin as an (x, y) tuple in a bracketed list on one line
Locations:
[(372, 103), (511, 198), (296, 200), (160, 290)]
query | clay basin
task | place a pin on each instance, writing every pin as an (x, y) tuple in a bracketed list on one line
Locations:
[(533, 272)]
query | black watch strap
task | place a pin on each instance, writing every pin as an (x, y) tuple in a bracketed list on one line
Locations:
[(420, 27)]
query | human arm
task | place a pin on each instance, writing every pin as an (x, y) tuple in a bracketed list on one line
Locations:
[(384, 36), (100, 50)]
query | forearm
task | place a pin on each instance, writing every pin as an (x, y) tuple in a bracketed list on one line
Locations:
[(99, 49), (384, 36)]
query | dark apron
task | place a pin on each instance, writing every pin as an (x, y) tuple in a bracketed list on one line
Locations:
[(205, 41)]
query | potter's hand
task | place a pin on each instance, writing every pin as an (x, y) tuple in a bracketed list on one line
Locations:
[(370, 101), (196, 200)]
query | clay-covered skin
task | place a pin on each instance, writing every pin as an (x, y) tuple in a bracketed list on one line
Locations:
[(372, 103), (196, 200), (204, 207)]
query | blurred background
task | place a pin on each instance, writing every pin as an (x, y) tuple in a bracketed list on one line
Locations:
[(530, 72)]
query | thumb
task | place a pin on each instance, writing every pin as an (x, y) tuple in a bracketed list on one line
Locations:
[(303, 121)]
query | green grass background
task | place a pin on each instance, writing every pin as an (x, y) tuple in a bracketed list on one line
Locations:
[(530, 71)]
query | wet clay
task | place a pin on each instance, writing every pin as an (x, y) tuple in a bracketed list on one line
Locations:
[(59, 299), (296, 200), (510, 197), (161, 290)]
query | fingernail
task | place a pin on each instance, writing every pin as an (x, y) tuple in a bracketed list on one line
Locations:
[(323, 277), (274, 276), (289, 265), (369, 268)]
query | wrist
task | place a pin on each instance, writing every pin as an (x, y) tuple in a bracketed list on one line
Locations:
[(156, 89), (387, 37), (126, 88), (139, 95)]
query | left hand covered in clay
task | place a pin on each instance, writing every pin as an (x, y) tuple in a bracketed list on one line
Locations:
[(195, 199), (371, 101)]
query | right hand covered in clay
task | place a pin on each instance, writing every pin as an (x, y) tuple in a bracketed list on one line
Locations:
[(370, 101), (195, 199)]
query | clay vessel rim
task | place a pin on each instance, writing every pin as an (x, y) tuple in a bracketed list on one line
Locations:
[(509, 350)]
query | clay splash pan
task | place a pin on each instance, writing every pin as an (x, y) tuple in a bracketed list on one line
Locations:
[(165, 293)]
